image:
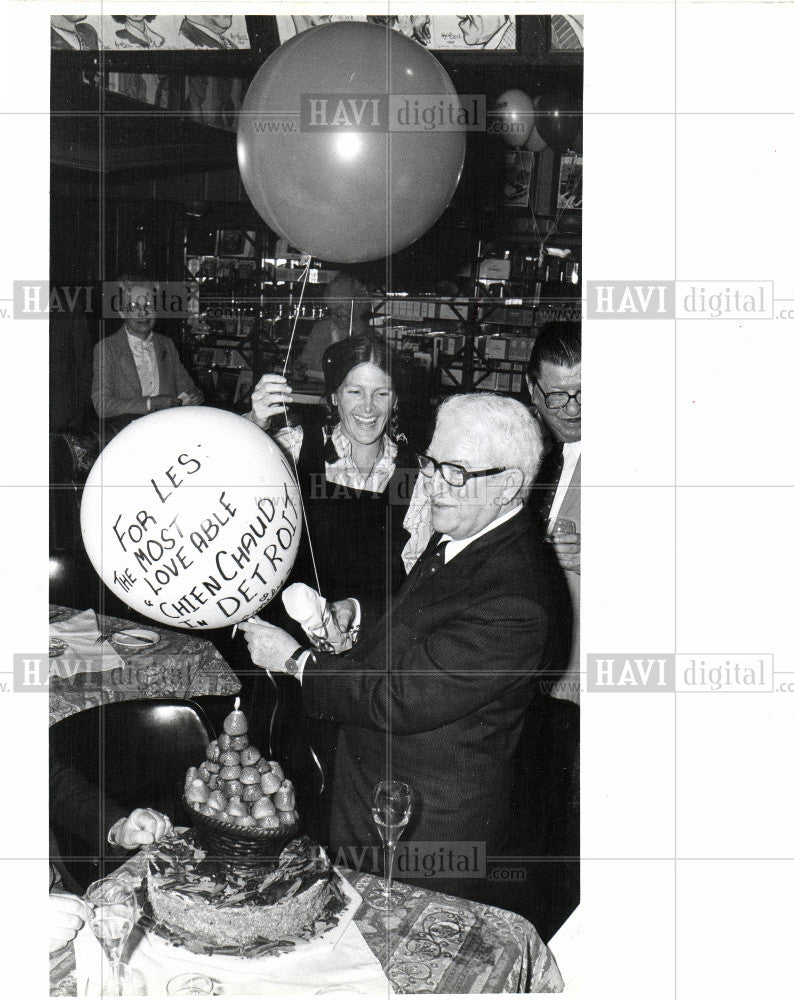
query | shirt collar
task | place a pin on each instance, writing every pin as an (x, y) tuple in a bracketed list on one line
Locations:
[(344, 448), (136, 341), (344, 471), (454, 547)]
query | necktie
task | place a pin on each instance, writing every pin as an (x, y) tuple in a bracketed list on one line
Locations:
[(431, 560), (547, 480)]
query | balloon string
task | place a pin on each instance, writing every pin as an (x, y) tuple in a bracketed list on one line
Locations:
[(295, 324), (286, 418), (294, 461)]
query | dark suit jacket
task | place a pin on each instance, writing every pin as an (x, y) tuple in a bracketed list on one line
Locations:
[(440, 686), (541, 499), (80, 814), (116, 389)]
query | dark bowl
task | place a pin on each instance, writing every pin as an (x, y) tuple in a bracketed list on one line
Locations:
[(246, 847)]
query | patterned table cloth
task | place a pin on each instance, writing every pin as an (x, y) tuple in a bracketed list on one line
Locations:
[(426, 942), (180, 665)]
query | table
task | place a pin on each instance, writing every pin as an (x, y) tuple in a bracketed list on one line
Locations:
[(567, 948), (181, 665), (426, 942)]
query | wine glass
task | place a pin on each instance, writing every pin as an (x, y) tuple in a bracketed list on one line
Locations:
[(111, 916), (391, 810), (131, 984), (562, 526), (190, 984)]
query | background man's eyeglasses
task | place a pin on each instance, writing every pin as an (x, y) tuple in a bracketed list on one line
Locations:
[(557, 399), (452, 474), (140, 308)]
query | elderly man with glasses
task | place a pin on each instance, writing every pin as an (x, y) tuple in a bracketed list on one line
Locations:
[(435, 693), (137, 370)]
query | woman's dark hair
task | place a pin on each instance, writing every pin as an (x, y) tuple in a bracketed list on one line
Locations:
[(342, 357)]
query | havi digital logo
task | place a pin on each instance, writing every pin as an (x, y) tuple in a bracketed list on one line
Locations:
[(636, 672)]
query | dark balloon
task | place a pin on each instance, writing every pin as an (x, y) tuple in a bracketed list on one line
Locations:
[(350, 191), (535, 142), (558, 119)]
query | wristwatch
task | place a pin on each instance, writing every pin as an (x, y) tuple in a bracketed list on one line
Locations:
[(291, 664)]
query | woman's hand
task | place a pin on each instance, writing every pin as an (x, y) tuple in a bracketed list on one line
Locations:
[(67, 916), (271, 395)]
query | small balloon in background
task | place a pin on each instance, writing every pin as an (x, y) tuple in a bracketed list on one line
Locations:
[(514, 118), (320, 157), (558, 118), (192, 517)]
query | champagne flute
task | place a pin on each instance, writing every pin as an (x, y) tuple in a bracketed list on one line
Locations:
[(111, 916), (190, 984), (131, 984), (561, 526), (391, 810)]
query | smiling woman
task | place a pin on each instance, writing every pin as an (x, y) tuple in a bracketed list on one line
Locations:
[(356, 474)]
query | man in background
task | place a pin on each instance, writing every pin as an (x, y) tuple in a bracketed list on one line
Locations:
[(346, 302), (554, 379), (136, 370)]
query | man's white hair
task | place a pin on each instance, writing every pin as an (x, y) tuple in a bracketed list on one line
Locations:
[(506, 423)]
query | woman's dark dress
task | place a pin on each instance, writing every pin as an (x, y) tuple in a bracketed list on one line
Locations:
[(357, 538)]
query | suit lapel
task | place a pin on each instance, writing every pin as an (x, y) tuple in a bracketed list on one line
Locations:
[(450, 579), (455, 575), (127, 366), (164, 372)]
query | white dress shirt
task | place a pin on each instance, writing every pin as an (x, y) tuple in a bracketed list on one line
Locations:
[(570, 456), (145, 356), (455, 547)]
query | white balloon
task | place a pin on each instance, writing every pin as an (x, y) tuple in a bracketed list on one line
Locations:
[(192, 516), (514, 117)]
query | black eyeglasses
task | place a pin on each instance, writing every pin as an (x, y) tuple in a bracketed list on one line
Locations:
[(557, 399), (452, 474)]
